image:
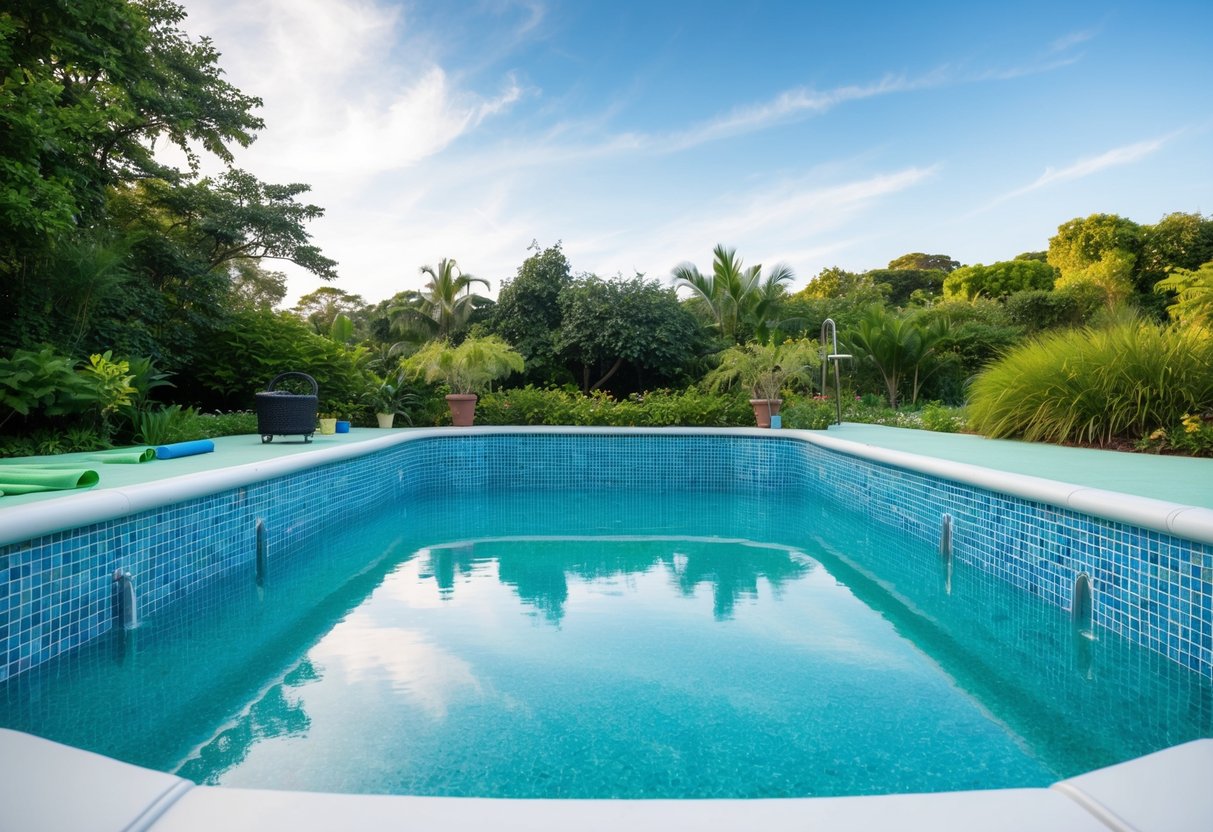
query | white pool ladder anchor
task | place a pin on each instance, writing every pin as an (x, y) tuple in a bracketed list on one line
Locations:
[(1081, 606), (831, 355), (262, 564), (945, 549), (1082, 616), (128, 608)]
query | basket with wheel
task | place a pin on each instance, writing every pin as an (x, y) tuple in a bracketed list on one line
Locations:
[(282, 413)]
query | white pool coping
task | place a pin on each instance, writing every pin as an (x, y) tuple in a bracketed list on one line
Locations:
[(48, 787), (31, 520)]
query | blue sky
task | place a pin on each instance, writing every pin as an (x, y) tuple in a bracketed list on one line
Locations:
[(643, 133)]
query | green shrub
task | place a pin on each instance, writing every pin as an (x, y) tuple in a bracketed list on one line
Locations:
[(44, 382), (48, 442), (1038, 310), (256, 346), (808, 414), (658, 408), (163, 425), (1095, 386), (209, 425), (941, 419)]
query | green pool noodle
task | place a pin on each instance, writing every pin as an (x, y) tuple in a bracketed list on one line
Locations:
[(14, 480), (124, 456)]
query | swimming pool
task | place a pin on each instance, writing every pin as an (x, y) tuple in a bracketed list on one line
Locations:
[(802, 615)]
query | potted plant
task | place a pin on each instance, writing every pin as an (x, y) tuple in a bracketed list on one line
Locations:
[(387, 397), (328, 422), (766, 369), (465, 369), (345, 418)]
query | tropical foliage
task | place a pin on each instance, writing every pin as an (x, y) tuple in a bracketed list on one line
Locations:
[(740, 302), (1193, 290), (1097, 386), (444, 307), (766, 369), (467, 368), (903, 349)]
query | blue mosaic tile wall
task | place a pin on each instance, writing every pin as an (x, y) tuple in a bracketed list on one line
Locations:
[(57, 591), (1150, 587)]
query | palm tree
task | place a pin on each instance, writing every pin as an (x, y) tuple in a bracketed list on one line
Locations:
[(739, 301), (902, 347), (445, 305)]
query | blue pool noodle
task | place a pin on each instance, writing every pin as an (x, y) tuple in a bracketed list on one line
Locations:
[(198, 446)]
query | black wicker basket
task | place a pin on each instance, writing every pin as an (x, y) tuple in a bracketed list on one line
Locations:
[(285, 414)]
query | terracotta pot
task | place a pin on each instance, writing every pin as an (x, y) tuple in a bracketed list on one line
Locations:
[(463, 409), (764, 409), (385, 419)]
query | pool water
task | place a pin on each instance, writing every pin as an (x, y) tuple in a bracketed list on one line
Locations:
[(619, 644)]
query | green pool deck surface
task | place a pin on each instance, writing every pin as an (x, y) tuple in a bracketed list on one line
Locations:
[(1182, 480)]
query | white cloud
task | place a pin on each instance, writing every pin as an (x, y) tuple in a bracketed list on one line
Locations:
[(394, 129), (1089, 166), (1067, 42), (342, 95), (792, 104), (781, 221)]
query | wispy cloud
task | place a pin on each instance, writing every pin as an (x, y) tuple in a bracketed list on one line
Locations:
[(1067, 42), (795, 221), (1089, 166), (789, 105)]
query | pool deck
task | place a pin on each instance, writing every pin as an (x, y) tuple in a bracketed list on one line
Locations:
[(1176, 479)]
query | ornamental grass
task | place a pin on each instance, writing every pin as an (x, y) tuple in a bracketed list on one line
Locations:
[(1095, 386)]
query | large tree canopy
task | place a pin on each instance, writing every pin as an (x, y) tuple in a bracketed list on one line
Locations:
[(527, 313), (86, 89), (917, 261), (998, 280), (607, 324), (102, 243)]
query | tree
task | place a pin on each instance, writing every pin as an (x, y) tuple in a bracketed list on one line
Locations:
[(607, 324), (443, 309), (917, 261), (87, 88), (998, 280), (835, 282), (1177, 241), (901, 347), (1112, 273), (1101, 249), (739, 302), (254, 287), (900, 286), (527, 313), (321, 307)]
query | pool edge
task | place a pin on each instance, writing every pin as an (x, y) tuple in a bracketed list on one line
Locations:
[(24, 522), (1167, 793)]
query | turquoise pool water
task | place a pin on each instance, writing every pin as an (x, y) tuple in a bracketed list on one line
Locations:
[(632, 645)]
